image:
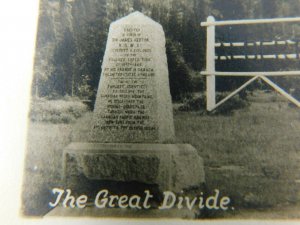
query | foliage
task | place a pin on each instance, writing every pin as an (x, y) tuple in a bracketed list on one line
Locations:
[(179, 74), (72, 36), (199, 104), (65, 110), (85, 90), (198, 81)]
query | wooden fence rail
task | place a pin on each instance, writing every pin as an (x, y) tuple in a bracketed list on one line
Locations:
[(211, 73)]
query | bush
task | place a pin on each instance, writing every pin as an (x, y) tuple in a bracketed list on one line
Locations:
[(65, 110), (198, 82), (181, 85), (199, 104)]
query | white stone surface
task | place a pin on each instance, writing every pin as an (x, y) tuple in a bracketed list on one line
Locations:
[(133, 102)]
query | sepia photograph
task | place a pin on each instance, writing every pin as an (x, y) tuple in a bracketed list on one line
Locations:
[(176, 109)]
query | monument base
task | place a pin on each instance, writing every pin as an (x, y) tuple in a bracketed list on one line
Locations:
[(172, 167)]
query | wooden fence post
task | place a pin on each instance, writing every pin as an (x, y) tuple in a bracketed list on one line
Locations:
[(210, 72), (210, 66)]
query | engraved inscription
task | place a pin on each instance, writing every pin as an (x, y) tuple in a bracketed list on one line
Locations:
[(133, 103), (128, 96)]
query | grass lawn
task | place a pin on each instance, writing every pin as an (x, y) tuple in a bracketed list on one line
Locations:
[(253, 156)]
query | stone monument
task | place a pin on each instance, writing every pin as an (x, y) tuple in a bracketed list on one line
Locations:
[(132, 135)]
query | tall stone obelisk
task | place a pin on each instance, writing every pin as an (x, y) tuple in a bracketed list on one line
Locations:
[(132, 133)]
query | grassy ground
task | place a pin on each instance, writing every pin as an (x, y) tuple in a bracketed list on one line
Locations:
[(253, 156)]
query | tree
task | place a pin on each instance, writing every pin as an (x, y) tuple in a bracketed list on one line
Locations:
[(179, 76), (62, 59), (137, 5)]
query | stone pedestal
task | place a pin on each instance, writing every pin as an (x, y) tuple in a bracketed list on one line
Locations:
[(171, 167)]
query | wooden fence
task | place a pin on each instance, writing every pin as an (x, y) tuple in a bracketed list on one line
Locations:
[(211, 73)]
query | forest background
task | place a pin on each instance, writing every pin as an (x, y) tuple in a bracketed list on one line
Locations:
[(72, 35)]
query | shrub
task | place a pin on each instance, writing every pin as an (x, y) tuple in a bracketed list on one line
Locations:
[(180, 79), (199, 104), (65, 110)]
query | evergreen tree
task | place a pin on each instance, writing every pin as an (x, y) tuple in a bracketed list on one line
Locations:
[(72, 37), (179, 75)]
